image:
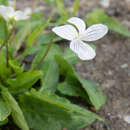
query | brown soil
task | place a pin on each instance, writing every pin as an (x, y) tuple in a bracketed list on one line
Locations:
[(110, 68)]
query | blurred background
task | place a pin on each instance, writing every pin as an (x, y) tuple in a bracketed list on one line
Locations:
[(111, 67)]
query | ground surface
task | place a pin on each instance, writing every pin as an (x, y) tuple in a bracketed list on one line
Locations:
[(110, 68)]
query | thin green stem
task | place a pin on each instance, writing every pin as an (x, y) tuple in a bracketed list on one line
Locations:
[(2, 45), (7, 55), (14, 5), (6, 44), (46, 52), (26, 27)]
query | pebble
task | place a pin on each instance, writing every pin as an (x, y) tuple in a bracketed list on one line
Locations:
[(127, 119), (123, 66), (105, 3)]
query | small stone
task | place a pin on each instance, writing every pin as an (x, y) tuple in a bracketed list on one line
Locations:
[(127, 119), (108, 84), (110, 72), (105, 3), (123, 66)]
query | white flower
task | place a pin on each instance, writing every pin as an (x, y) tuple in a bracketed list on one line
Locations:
[(28, 11), (77, 36), (105, 3), (9, 13), (11, 2)]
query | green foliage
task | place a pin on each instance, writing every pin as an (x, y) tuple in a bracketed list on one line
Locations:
[(16, 67), (32, 37), (54, 110), (61, 8), (93, 91), (50, 2), (23, 81), (55, 49), (3, 29), (26, 28), (16, 112), (70, 89), (44, 38), (50, 76), (76, 5), (4, 71), (70, 56), (41, 98), (4, 112), (98, 16), (3, 122), (3, 2)]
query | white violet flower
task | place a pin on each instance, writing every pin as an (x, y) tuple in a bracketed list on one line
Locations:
[(78, 33), (9, 13)]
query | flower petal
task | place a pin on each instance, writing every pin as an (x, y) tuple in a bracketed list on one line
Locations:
[(19, 15), (83, 50), (79, 23), (95, 32), (2, 11), (6, 12), (67, 32), (10, 12)]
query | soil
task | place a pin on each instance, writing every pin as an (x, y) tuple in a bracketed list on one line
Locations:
[(110, 68)]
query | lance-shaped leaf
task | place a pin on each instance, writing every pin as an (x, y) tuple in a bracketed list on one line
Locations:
[(23, 81), (55, 49), (5, 72), (92, 90), (50, 76), (98, 16), (4, 111), (16, 113), (70, 56), (54, 113), (33, 36)]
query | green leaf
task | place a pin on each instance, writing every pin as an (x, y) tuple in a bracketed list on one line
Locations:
[(55, 49), (92, 45), (21, 29), (98, 16), (3, 2), (60, 21), (4, 71), (44, 38), (92, 90), (23, 81), (70, 56), (50, 2), (2, 29), (4, 111), (3, 122), (50, 76), (76, 5), (54, 113), (66, 88), (17, 113), (61, 8), (32, 37), (16, 66)]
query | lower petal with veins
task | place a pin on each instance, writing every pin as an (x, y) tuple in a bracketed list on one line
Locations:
[(83, 50)]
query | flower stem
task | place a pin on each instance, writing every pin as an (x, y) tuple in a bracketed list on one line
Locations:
[(14, 5), (6, 44), (46, 52), (26, 27), (7, 55)]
